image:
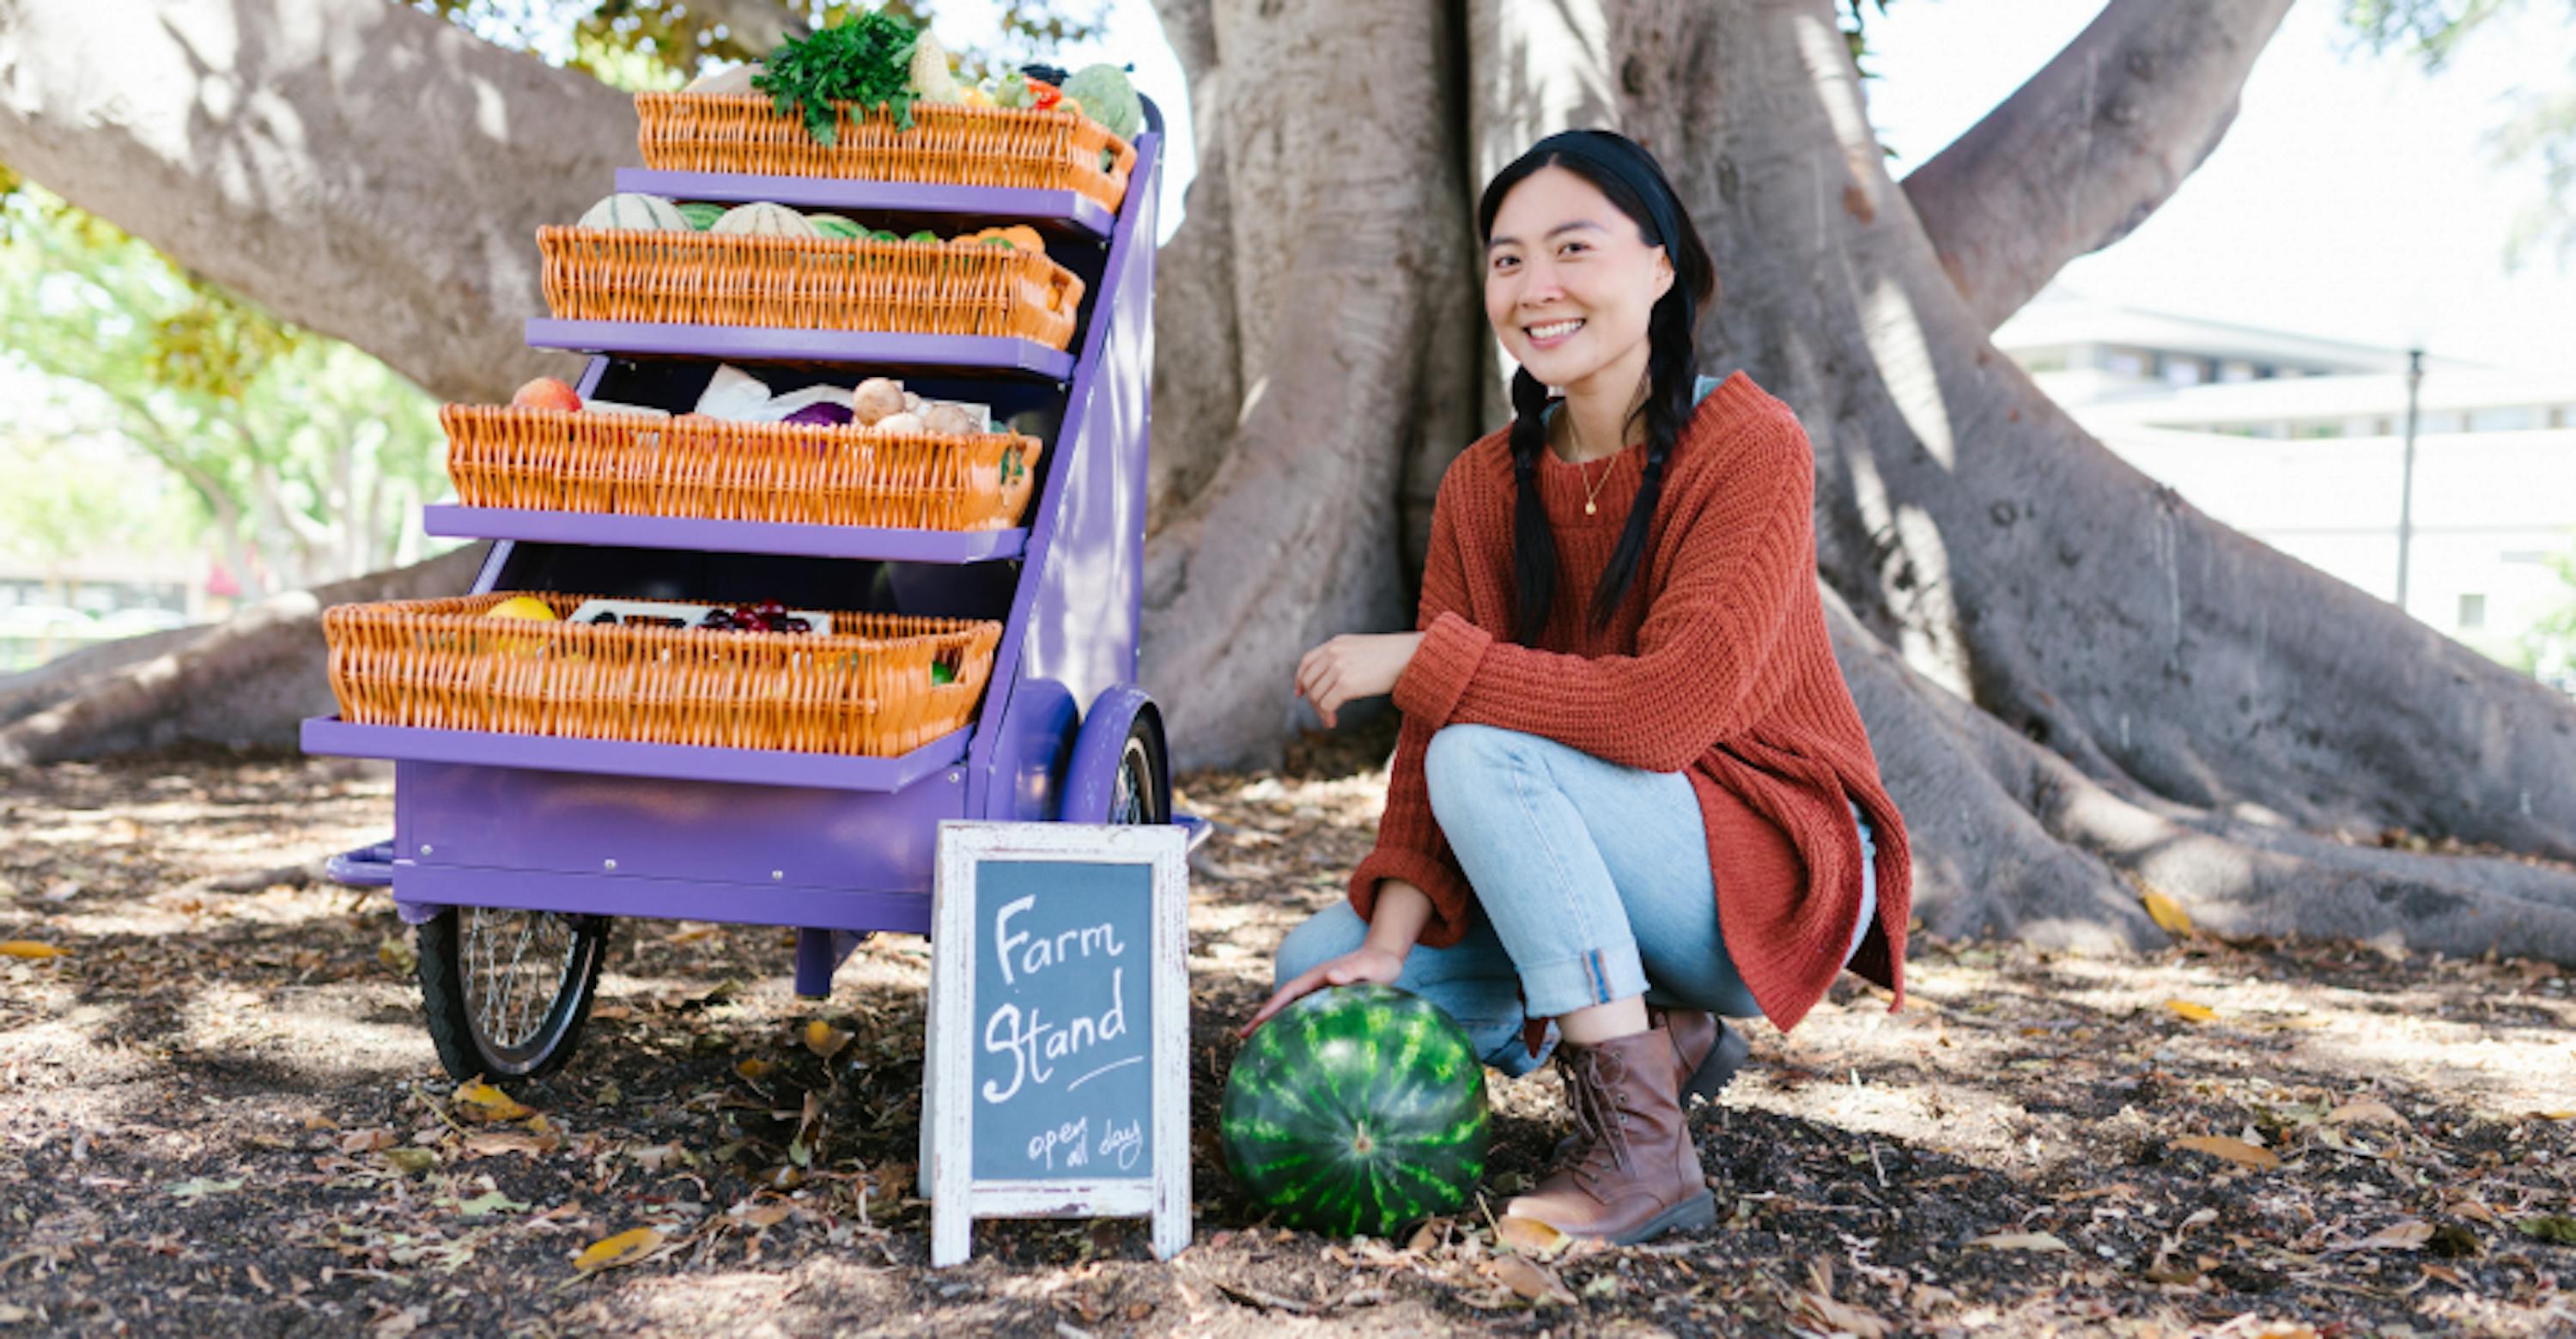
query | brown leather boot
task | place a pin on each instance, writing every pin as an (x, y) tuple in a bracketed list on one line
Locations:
[(1706, 1050), (1706, 1055), (1633, 1173)]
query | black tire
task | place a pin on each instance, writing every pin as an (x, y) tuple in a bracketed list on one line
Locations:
[(514, 1036), (1143, 793)]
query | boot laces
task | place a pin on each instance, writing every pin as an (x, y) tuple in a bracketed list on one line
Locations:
[(1601, 1125)]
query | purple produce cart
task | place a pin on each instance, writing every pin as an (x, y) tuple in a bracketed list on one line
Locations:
[(512, 852)]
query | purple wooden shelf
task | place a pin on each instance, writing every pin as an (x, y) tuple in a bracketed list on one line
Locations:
[(755, 343), (685, 532), (614, 757), (1071, 208)]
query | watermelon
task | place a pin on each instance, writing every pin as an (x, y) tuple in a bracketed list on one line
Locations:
[(1356, 1110), (763, 219), (701, 214), (833, 225), (640, 213)]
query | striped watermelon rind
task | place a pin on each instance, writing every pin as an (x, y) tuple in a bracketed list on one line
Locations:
[(833, 225), (701, 214), (1354, 1111), (635, 211)]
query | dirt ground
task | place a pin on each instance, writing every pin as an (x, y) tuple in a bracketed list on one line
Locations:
[(220, 1114)]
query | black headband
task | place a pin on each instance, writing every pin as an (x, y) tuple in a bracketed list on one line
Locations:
[(1620, 159)]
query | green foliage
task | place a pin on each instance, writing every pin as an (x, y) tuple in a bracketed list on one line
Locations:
[(2430, 29), (2549, 645), (64, 501), (2543, 127), (302, 456), (866, 60)]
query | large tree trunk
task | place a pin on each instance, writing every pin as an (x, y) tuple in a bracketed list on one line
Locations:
[(2078, 685), (247, 681)]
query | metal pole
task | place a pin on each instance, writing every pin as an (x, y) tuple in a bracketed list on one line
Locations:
[(2406, 486)]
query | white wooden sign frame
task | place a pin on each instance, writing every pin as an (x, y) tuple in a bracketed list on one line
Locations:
[(948, 1108)]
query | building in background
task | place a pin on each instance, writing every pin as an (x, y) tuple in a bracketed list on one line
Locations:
[(2299, 442)]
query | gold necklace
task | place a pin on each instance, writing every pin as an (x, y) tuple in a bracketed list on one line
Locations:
[(1590, 489)]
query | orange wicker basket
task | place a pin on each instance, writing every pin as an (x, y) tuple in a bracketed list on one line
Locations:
[(808, 283), (865, 689), (550, 460), (947, 145)]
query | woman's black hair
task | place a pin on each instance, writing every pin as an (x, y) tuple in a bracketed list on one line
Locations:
[(1636, 185)]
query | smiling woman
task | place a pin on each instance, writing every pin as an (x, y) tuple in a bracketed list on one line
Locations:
[(1661, 793)]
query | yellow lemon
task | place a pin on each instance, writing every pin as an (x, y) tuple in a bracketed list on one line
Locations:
[(522, 606), (524, 609)]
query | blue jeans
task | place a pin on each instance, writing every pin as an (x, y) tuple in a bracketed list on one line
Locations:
[(1592, 884)]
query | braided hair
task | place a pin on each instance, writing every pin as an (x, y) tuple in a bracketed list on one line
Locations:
[(1637, 187)]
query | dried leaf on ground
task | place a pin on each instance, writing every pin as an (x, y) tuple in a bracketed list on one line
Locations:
[(2234, 1150), (2166, 913), (618, 1251), (1530, 1282), (482, 1101), (825, 1040), (411, 1161), (2197, 1013), (2364, 1113), (2409, 1235), (2021, 1241), (2549, 1227), (1530, 1237), (1823, 1314), (29, 948)]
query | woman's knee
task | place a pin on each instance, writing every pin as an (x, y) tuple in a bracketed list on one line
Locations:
[(1326, 935), (1462, 762)]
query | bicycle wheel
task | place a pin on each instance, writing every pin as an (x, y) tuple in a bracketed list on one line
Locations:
[(507, 992)]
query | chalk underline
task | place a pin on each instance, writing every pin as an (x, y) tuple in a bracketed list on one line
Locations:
[(1115, 1064)]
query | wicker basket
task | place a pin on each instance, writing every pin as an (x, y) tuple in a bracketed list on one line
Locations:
[(865, 689), (947, 145), (808, 283), (550, 460)]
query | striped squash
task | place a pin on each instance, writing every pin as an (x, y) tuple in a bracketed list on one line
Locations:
[(1356, 1110), (763, 219), (641, 213)]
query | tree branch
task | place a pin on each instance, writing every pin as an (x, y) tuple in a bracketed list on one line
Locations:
[(2092, 145), (360, 168)]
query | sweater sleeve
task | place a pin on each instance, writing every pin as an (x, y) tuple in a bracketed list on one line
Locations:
[(1737, 573), (1410, 845)]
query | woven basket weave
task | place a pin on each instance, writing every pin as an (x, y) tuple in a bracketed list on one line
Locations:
[(808, 283), (865, 690), (947, 145), (550, 460)]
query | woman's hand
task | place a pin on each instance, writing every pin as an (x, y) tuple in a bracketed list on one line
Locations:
[(1363, 964), (1354, 665)]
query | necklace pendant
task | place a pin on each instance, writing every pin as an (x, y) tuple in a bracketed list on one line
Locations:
[(1589, 509)]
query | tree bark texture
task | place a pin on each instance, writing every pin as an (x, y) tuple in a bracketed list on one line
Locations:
[(2080, 687)]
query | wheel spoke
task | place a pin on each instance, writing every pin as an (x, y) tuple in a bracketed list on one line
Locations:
[(517, 964)]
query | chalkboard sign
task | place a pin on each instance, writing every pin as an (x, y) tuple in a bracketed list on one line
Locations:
[(1057, 1079)]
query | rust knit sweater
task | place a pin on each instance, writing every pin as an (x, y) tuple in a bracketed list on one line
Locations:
[(1717, 664)]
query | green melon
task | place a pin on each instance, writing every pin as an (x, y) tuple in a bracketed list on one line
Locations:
[(1354, 1111), (763, 219), (636, 212), (833, 225), (701, 214)]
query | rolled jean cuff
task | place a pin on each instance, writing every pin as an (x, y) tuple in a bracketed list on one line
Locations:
[(1597, 976)]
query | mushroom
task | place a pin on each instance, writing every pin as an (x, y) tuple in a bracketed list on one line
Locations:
[(947, 420), (876, 399), (898, 423)]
